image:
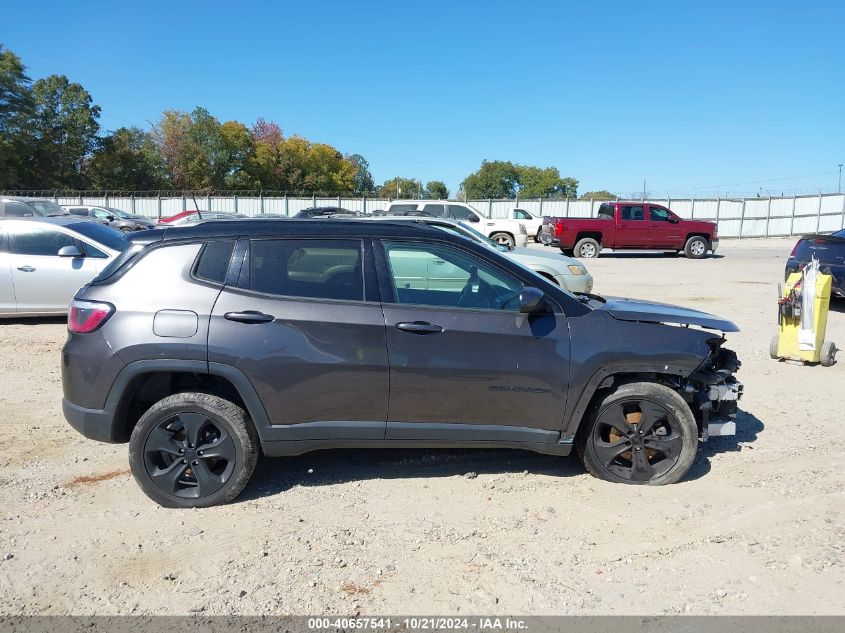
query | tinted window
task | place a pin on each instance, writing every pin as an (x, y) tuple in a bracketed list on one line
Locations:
[(400, 209), (435, 210), (658, 214), (319, 269), (102, 234), (632, 212), (826, 251), (519, 214), (101, 213), (39, 241), (213, 262), (459, 212), (606, 212), (437, 275), (18, 210), (48, 208)]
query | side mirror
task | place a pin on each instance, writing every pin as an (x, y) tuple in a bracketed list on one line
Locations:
[(474, 218), (673, 219), (70, 251), (110, 218), (530, 300)]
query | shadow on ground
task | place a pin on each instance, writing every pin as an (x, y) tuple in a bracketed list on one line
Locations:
[(748, 427), (339, 466), (324, 468)]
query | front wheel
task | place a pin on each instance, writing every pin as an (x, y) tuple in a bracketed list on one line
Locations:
[(641, 433), (193, 450), (696, 247), (505, 239)]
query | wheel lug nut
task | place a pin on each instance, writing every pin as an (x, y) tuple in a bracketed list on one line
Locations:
[(641, 432), (638, 448), (181, 451), (199, 452), (184, 461), (195, 463)]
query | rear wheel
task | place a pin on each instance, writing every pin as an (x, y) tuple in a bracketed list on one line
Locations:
[(587, 248), (696, 247), (193, 450), (828, 354), (537, 236), (505, 239), (642, 433)]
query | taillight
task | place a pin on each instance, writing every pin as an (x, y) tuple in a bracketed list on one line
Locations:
[(559, 228), (87, 316)]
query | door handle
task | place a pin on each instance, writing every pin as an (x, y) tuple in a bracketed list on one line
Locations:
[(26, 269), (420, 327), (249, 316)]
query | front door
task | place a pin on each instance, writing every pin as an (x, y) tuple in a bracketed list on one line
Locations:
[(299, 325), (44, 282), (664, 231), (632, 228), (465, 364)]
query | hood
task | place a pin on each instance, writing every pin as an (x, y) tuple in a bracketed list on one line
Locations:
[(546, 256), (634, 310)]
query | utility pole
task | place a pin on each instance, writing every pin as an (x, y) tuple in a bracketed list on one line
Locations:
[(839, 183), (643, 189)]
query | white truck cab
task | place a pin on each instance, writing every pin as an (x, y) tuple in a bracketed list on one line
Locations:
[(508, 232)]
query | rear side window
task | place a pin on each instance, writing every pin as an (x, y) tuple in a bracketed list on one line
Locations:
[(458, 212), (213, 262), (316, 269), (605, 212), (633, 212), (401, 209), (18, 210)]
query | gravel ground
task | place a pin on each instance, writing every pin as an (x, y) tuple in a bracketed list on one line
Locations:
[(755, 528)]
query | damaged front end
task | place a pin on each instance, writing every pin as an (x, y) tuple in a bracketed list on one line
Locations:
[(713, 392)]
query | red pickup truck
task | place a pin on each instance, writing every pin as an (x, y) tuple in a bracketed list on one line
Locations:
[(630, 225)]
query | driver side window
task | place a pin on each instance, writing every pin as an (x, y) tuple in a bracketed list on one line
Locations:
[(443, 276)]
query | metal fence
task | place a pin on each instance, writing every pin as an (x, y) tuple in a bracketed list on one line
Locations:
[(736, 217)]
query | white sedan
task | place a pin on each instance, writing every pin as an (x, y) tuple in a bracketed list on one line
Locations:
[(44, 261)]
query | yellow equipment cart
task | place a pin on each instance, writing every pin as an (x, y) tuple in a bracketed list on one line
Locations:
[(786, 343)]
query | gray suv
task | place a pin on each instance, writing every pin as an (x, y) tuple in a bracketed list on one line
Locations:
[(204, 346)]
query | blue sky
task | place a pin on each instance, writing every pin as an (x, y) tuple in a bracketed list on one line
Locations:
[(695, 97)]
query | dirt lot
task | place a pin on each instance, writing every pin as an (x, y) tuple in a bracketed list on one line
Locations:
[(756, 527)]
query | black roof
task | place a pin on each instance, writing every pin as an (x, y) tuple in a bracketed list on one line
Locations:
[(330, 228)]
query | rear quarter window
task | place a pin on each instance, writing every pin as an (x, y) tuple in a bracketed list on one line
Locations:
[(213, 261), (605, 212)]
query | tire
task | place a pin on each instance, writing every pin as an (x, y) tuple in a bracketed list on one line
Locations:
[(696, 247), (773, 347), (568, 252), (125, 229), (537, 236), (505, 239), (828, 354), (587, 248), (662, 455), (163, 434)]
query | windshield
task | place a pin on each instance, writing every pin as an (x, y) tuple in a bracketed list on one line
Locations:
[(123, 215), (102, 234), (48, 208)]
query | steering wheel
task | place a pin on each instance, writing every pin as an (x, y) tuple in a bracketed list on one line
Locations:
[(484, 297)]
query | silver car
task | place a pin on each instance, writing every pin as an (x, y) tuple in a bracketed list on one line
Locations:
[(565, 271), (44, 261)]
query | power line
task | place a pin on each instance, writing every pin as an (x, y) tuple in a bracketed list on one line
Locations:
[(752, 182)]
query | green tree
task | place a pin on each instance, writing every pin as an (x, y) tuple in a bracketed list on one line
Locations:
[(494, 179), (15, 113), (437, 190), (399, 187), (64, 127), (126, 160), (363, 178), (598, 195), (539, 182)]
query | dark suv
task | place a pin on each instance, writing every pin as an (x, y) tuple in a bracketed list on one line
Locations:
[(202, 346)]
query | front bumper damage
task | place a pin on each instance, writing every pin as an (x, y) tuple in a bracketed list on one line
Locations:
[(713, 392)]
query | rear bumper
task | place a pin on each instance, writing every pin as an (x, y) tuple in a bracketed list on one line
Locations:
[(548, 240), (95, 424)]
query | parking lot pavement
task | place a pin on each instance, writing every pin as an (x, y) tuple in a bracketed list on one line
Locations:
[(755, 528)]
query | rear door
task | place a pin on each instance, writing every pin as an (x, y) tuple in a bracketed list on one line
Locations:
[(663, 232), (43, 281), (7, 288), (632, 227), (309, 333), (463, 364)]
